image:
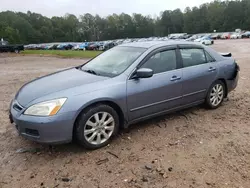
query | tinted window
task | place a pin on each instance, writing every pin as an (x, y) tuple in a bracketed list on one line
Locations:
[(161, 62), (192, 57), (209, 57)]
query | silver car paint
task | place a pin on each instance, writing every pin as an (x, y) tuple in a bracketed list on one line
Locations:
[(137, 98)]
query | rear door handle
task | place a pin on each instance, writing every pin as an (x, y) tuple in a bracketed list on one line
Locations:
[(174, 78), (211, 69)]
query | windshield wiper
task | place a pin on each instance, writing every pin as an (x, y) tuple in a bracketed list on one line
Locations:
[(90, 71)]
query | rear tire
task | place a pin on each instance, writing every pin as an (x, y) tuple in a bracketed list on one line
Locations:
[(96, 126), (215, 95)]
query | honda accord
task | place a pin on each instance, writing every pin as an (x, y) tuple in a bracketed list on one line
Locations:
[(126, 84)]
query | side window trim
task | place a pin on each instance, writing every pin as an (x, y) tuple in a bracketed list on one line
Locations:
[(206, 61), (179, 57), (189, 46), (211, 57)]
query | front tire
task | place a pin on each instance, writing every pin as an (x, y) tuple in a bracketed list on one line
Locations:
[(215, 95), (96, 126)]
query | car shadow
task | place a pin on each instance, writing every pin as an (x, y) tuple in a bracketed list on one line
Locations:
[(163, 118), (123, 134)]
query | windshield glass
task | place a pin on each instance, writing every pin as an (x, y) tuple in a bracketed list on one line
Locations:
[(114, 61)]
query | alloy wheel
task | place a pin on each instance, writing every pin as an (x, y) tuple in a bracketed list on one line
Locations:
[(99, 128), (216, 95)]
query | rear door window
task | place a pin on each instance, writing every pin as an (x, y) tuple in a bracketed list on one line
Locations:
[(193, 57)]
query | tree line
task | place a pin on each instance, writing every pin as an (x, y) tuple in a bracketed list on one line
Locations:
[(18, 27)]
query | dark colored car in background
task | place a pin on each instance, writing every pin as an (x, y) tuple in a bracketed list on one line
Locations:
[(93, 46), (108, 45), (53, 47), (6, 47), (215, 36), (64, 47)]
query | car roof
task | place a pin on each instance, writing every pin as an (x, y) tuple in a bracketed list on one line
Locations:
[(149, 44)]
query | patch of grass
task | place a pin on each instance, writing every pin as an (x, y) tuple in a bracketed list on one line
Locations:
[(63, 53)]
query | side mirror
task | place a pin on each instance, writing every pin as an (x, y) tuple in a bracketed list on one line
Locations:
[(144, 73)]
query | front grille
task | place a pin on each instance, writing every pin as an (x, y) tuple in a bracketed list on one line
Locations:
[(32, 132)]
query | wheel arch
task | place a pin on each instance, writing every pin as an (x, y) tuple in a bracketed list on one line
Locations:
[(114, 105), (225, 84)]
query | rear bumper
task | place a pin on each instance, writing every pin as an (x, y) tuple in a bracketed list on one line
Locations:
[(232, 83), (56, 129)]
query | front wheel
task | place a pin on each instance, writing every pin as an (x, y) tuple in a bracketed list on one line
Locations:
[(96, 126), (215, 95)]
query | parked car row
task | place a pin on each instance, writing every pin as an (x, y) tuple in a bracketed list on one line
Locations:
[(231, 35), (95, 45), (72, 46), (98, 45), (226, 35), (104, 45), (205, 39)]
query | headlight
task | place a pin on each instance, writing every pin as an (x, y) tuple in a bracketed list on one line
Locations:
[(47, 108)]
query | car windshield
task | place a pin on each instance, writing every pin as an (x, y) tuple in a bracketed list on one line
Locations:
[(113, 62)]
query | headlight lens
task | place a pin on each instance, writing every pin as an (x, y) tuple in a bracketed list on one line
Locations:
[(47, 108)]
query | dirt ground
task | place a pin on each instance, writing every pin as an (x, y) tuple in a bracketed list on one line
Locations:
[(195, 148)]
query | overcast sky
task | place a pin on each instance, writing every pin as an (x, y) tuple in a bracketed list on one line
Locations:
[(101, 7)]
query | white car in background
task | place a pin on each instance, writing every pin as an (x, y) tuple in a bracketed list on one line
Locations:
[(76, 47), (235, 36), (205, 40)]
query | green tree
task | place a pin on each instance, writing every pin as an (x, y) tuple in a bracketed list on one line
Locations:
[(31, 27)]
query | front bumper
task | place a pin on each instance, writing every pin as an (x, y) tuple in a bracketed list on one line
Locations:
[(55, 129)]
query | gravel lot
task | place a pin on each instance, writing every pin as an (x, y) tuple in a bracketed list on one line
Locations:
[(192, 148)]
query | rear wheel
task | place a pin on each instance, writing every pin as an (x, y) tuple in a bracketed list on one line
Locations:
[(215, 95), (96, 126)]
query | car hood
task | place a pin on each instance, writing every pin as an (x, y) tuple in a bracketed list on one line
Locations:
[(53, 83)]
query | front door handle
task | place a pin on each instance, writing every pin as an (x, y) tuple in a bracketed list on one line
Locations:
[(211, 69), (174, 78)]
